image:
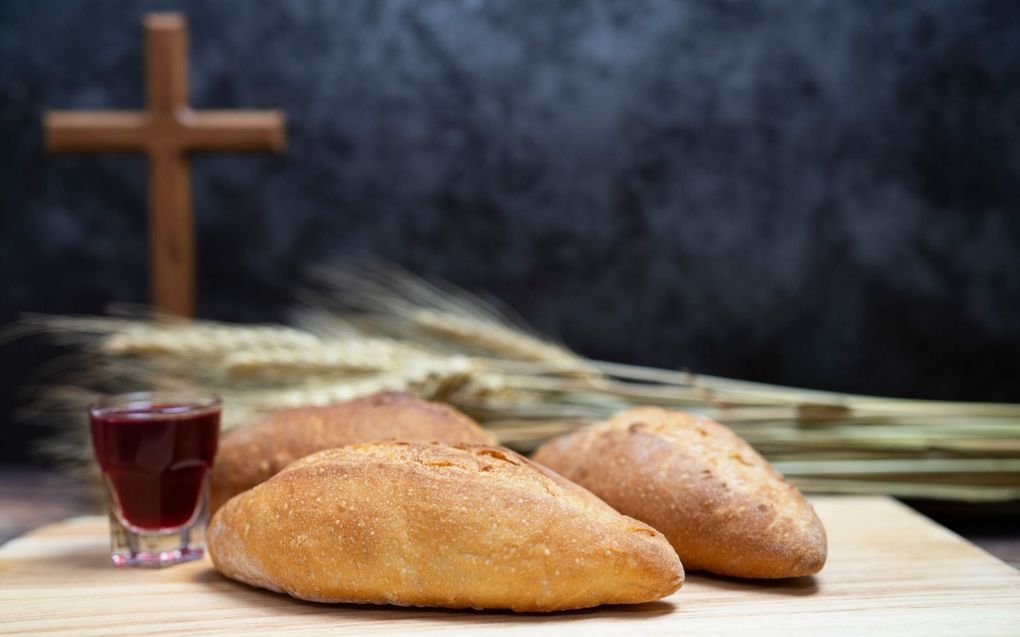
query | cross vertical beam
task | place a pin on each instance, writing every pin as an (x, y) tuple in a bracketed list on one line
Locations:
[(171, 231), (166, 64)]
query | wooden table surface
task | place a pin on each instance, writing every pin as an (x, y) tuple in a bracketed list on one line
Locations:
[(891, 572), (31, 497)]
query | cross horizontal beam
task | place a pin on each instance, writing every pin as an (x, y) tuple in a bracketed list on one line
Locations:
[(90, 131), (138, 131)]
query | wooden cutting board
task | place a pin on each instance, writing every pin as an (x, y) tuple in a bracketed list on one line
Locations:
[(890, 572)]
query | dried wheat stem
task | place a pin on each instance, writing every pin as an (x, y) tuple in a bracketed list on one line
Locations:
[(344, 357), (492, 338)]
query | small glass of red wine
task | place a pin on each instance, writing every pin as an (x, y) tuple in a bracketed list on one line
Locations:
[(155, 450)]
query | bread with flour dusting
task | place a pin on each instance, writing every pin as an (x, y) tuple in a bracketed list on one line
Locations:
[(720, 504), (430, 524)]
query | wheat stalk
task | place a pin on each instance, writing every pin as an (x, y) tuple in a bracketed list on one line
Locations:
[(351, 357), (369, 328), (384, 298)]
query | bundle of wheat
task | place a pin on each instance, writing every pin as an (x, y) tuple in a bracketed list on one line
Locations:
[(365, 329)]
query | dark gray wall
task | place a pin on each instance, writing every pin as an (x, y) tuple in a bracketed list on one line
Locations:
[(823, 194)]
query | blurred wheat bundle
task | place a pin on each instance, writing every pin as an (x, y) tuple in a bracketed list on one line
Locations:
[(368, 328)]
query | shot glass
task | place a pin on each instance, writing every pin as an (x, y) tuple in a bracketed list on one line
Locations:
[(155, 450)]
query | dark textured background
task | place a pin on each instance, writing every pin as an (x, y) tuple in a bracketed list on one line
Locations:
[(823, 194)]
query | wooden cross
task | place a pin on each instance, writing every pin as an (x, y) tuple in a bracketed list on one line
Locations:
[(167, 131)]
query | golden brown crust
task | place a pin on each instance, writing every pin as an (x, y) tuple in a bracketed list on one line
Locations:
[(720, 504), (254, 453), (430, 524)]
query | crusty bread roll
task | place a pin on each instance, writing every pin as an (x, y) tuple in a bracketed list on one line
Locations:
[(431, 524), (256, 452), (720, 504)]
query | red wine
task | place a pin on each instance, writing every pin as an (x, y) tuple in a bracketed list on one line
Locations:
[(156, 457)]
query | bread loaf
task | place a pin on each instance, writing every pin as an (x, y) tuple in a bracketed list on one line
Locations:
[(719, 503), (256, 452), (430, 524)]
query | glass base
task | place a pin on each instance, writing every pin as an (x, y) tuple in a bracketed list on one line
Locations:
[(157, 548), (158, 560)]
